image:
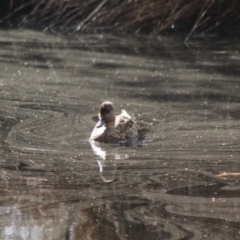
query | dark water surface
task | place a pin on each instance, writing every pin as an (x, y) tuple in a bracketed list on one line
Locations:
[(180, 182)]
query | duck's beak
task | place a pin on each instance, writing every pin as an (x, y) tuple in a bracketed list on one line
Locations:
[(101, 122)]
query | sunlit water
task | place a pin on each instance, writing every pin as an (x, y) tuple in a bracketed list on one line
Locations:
[(179, 181)]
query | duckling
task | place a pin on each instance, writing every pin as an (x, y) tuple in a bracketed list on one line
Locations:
[(113, 128)]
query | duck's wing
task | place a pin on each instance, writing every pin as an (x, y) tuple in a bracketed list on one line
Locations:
[(124, 123), (125, 114)]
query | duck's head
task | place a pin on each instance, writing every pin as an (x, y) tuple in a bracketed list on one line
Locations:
[(106, 114)]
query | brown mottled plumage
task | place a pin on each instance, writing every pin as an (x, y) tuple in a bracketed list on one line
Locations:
[(111, 128)]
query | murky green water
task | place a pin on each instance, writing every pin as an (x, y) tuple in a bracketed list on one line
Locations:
[(180, 181)]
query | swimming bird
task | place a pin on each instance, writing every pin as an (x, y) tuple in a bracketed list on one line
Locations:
[(113, 128)]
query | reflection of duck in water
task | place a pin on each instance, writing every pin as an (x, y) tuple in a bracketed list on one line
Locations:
[(113, 128), (107, 167)]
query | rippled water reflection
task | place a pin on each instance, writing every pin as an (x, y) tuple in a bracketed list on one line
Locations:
[(180, 181)]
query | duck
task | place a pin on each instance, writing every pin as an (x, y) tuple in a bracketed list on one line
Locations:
[(112, 128)]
